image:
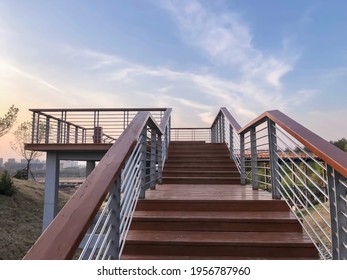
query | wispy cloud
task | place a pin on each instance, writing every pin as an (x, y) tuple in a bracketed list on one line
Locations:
[(226, 39), (35, 79)]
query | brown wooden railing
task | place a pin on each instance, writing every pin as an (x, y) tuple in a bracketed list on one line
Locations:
[(63, 236), (307, 171)]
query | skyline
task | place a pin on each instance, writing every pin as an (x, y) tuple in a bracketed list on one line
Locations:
[(192, 56)]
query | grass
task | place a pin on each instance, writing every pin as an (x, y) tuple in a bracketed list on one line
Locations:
[(21, 218)]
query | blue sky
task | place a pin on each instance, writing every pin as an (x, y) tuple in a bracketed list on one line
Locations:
[(194, 56)]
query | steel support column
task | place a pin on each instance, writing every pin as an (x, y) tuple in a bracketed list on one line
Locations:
[(50, 208), (89, 167)]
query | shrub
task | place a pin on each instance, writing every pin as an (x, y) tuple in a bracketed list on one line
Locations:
[(6, 184), (21, 174)]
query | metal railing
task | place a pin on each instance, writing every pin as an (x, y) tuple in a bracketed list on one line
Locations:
[(225, 130), (282, 156), (109, 195), (191, 134), (81, 126)]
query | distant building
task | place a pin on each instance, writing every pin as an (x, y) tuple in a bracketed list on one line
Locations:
[(23, 161), (11, 160), (68, 163), (1, 162)]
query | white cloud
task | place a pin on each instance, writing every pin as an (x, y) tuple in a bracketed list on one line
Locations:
[(226, 39)]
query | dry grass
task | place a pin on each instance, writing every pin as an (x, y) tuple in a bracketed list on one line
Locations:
[(21, 218), (318, 219)]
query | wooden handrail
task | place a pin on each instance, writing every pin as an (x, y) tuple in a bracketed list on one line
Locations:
[(332, 155), (230, 118), (63, 236)]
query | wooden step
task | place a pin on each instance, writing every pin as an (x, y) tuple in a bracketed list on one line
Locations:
[(169, 167), (201, 180), (201, 173), (197, 161), (211, 205), (245, 244), (206, 257), (215, 221), (216, 155)]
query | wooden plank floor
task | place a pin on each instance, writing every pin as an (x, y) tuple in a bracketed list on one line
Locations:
[(203, 192)]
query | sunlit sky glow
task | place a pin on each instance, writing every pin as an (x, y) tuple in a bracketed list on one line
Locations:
[(194, 56)]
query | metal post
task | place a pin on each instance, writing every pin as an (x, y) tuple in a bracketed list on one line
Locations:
[(38, 128), (222, 128), (59, 132), (51, 189), (231, 141), (273, 159), (153, 161), (212, 133), (115, 207), (160, 159), (254, 158), (242, 154), (76, 135), (84, 136), (90, 167), (338, 212), (219, 132), (47, 130), (143, 161), (33, 129), (68, 133)]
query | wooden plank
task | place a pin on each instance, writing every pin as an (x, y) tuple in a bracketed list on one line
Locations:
[(68, 147), (271, 239)]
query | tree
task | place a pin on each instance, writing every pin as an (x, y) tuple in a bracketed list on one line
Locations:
[(6, 184), (23, 135), (8, 120), (341, 143)]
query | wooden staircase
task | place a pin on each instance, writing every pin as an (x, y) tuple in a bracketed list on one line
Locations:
[(202, 212)]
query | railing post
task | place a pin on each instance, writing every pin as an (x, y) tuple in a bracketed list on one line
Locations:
[(243, 159), (76, 135), (47, 130), (273, 159), (68, 133), (338, 212), (160, 158), (219, 132), (222, 128), (33, 129), (231, 141), (59, 132), (212, 133), (38, 128), (254, 158), (152, 166), (143, 142), (115, 220)]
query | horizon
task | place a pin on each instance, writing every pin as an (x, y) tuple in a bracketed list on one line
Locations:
[(193, 56)]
